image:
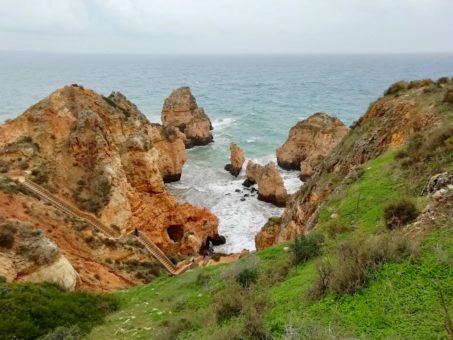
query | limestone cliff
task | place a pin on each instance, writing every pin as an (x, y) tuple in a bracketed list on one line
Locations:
[(102, 155), (309, 141)]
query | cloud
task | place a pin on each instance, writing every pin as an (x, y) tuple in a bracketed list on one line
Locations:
[(284, 26)]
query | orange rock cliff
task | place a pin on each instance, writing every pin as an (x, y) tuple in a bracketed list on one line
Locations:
[(101, 155)]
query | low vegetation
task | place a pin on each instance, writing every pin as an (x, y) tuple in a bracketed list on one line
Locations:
[(28, 311)]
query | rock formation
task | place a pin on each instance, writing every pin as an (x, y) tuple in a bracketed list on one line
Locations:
[(237, 159), (181, 111), (309, 141), (26, 254), (253, 172), (387, 125), (270, 183), (102, 155), (266, 237)]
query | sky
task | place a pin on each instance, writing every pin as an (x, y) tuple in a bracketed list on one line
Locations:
[(227, 26)]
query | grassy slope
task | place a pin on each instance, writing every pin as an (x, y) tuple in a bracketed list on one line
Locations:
[(401, 302)]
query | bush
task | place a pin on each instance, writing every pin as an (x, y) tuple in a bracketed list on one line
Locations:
[(172, 328), (396, 87), (358, 259), (6, 238), (202, 279), (228, 304), (448, 97), (415, 84), (247, 277), (40, 174), (28, 311), (399, 214), (63, 333), (306, 247)]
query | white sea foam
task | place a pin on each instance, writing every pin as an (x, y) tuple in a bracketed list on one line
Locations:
[(221, 123)]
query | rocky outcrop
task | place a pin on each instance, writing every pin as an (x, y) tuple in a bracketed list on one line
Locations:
[(253, 172), (271, 187), (26, 254), (387, 125), (180, 110), (237, 159), (102, 155), (266, 237), (309, 141), (270, 183)]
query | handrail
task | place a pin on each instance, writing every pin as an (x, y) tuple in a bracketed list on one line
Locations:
[(67, 208)]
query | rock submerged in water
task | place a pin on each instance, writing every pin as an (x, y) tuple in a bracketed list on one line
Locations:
[(180, 110), (270, 183), (309, 141), (237, 159)]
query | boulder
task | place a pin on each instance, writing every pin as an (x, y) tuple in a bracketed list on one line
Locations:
[(305, 170), (310, 140), (253, 172), (180, 110), (237, 159), (270, 183), (271, 187)]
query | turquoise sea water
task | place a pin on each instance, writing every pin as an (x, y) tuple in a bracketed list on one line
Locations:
[(252, 100)]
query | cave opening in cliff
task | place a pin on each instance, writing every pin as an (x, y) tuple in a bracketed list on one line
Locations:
[(175, 232)]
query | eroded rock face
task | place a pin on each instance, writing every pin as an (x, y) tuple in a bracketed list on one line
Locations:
[(31, 256), (102, 155), (266, 237), (237, 159), (270, 183), (180, 110), (309, 141), (271, 187)]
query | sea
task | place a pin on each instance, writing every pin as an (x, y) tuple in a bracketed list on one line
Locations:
[(252, 100)]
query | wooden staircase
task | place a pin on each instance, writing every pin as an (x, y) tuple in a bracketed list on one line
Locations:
[(70, 210)]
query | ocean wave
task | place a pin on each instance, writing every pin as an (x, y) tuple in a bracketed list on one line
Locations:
[(221, 123)]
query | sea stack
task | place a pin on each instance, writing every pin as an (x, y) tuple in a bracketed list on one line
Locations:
[(181, 111), (309, 141), (270, 183), (237, 159)]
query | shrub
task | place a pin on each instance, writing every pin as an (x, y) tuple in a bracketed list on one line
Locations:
[(336, 228), (277, 273), (228, 304), (6, 238), (324, 271), (415, 84), (63, 333), (442, 80), (448, 97), (247, 277), (306, 247), (2, 279), (396, 87), (202, 279), (40, 174), (28, 311), (358, 259), (171, 329), (399, 214)]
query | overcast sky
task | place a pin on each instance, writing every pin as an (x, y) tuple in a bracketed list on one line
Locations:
[(227, 26)]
